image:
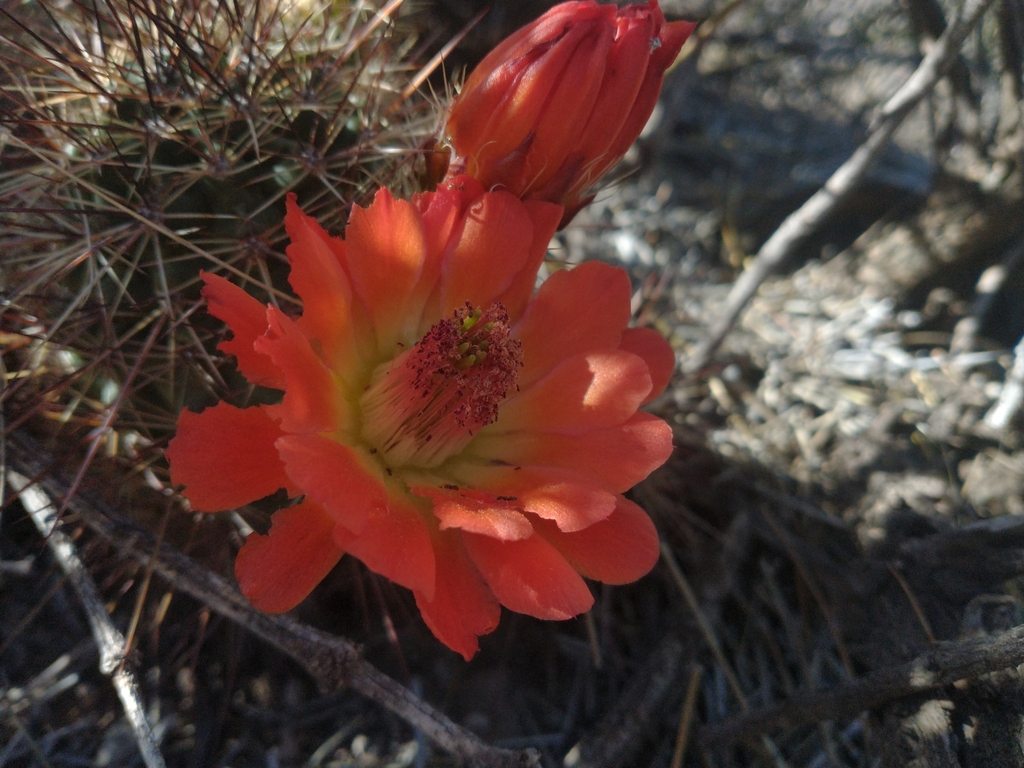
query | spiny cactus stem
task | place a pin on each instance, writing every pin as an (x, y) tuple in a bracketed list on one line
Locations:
[(155, 226)]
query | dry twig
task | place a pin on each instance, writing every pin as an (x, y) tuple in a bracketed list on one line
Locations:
[(948, 663), (987, 288), (630, 721), (686, 717), (712, 640), (807, 218), (109, 640), (1012, 397)]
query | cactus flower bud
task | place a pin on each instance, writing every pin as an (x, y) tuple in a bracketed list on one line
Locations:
[(550, 110)]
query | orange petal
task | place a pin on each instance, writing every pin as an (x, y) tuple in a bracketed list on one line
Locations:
[(671, 38), (501, 99), (442, 222), (546, 219), (334, 475), (463, 606), (318, 277), (394, 542), (277, 571), (623, 74), (386, 251), (590, 391), (495, 244), (574, 311), (225, 457), (247, 320), (650, 345), (313, 401), (510, 89), (553, 494), (619, 549), (560, 128), (476, 512), (529, 576), (614, 459)]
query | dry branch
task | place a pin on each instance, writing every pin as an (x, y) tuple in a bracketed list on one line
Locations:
[(948, 663), (333, 662), (109, 640), (988, 287), (1012, 397), (808, 217), (630, 721)]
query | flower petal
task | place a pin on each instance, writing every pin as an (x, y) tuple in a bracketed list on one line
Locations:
[(591, 391), (463, 606), (319, 278), (476, 512), (442, 212), (507, 92), (225, 457), (529, 576), (656, 352), (376, 523), (574, 311), (560, 128), (553, 494), (313, 400), (334, 475), (624, 70), (614, 459), (395, 542), (247, 320), (495, 244), (618, 550), (277, 571), (386, 250), (546, 218), (670, 38)]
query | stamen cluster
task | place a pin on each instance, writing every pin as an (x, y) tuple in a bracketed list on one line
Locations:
[(428, 404), (472, 354)]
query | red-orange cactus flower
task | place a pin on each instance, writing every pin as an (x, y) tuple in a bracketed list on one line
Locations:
[(459, 437), (558, 103)]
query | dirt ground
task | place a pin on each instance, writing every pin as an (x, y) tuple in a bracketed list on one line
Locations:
[(840, 521)]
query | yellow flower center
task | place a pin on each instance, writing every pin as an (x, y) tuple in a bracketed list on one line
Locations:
[(426, 404)]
